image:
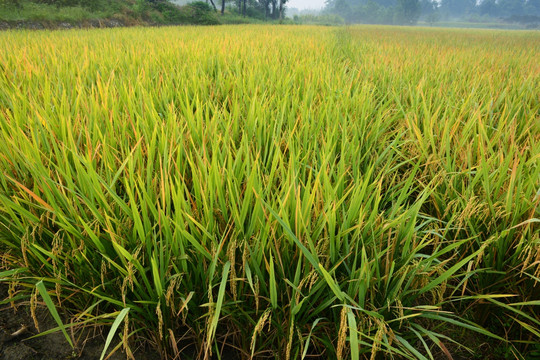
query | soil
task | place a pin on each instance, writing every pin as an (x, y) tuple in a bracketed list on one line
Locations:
[(17, 326)]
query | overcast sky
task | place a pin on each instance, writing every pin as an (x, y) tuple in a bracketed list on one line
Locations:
[(306, 4)]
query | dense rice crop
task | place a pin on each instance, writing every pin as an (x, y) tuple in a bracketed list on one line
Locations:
[(282, 192)]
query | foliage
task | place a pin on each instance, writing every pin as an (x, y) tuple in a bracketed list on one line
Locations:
[(139, 11), (42, 12), (409, 11), (323, 19), (201, 13), (351, 193)]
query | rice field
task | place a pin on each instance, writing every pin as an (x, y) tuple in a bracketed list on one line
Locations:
[(276, 192)]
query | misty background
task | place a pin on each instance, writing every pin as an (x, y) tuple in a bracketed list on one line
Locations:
[(431, 11)]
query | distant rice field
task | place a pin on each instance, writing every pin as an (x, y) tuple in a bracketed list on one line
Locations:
[(276, 191)]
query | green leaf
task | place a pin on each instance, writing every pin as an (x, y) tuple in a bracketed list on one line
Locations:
[(52, 309), (112, 331), (273, 291), (219, 304), (353, 335)]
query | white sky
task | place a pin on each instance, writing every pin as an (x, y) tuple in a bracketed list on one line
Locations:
[(305, 4)]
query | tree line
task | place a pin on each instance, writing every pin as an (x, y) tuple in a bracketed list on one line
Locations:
[(410, 11), (406, 12), (261, 9)]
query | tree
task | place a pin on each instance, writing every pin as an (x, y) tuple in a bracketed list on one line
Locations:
[(488, 7), (281, 8), (430, 10), (511, 7), (532, 7), (408, 11), (274, 8), (342, 7), (384, 3), (458, 8), (213, 5), (10, 3), (428, 6)]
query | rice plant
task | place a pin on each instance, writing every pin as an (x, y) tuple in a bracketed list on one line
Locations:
[(275, 192)]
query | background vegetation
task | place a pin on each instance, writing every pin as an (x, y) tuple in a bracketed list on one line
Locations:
[(130, 12), (350, 193), (460, 13), (409, 12), (142, 12)]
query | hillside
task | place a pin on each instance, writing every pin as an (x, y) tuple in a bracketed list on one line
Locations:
[(39, 14)]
